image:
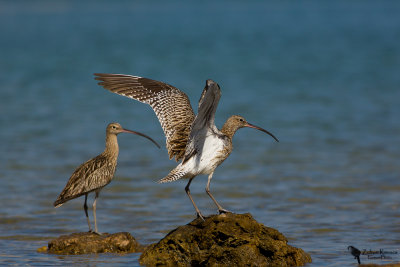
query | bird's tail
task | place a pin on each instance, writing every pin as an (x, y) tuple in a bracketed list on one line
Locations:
[(58, 203), (174, 175), (61, 200)]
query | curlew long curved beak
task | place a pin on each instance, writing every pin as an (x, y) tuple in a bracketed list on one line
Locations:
[(261, 129), (134, 132)]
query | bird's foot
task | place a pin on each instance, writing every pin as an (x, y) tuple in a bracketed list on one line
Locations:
[(223, 211), (95, 232), (199, 215)]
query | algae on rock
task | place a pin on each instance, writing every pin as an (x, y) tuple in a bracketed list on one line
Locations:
[(225, 240), (86, 243)]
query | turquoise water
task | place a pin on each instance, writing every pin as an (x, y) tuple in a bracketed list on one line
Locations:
[(322, 76)]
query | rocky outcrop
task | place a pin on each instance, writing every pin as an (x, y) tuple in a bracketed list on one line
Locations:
[(224, 240), (86, 243)]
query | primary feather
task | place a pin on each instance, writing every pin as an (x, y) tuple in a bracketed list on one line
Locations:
[(172, 106)]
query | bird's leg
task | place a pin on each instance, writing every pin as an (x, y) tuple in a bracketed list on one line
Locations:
[(87, 216), (94, 212), (220, 209), (194, 205)]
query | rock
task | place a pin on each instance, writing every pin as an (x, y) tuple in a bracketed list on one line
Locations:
[(224, 240), (42, 249), (86, 243)]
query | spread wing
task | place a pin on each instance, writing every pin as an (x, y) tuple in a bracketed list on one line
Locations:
[(91, 175), (203, 124), (171, 106)]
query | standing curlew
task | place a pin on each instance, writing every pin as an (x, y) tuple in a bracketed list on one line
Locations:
[(95, 173), (194, 140)]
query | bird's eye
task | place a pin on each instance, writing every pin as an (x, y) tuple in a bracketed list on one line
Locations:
[(241, 119)]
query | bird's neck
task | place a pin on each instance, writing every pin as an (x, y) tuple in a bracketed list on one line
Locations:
[(229, 129), (112, 148)]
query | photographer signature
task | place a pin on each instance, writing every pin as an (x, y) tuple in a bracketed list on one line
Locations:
[(371, 254)]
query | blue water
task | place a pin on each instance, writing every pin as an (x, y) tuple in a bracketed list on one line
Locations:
[(324, 77)]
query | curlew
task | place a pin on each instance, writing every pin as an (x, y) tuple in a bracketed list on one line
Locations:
[(95, 173), (195, 140)]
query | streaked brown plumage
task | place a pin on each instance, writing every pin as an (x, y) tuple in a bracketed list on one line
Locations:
[(199, 143), (171, 106), (95, 173)]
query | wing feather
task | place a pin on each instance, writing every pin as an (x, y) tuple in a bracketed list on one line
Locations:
[(89, 176), (172, 106), (204, 121)]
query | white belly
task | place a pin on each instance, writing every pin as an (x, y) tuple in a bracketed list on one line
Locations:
[(208, 157)]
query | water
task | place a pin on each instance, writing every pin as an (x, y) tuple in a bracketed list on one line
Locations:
[(322, 76)]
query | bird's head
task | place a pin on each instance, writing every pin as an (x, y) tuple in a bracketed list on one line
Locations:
[(116, 128), (235, 122)]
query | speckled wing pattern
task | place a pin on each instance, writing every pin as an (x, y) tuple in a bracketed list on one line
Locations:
[(90, 176), (203, 124), (171, 106)]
